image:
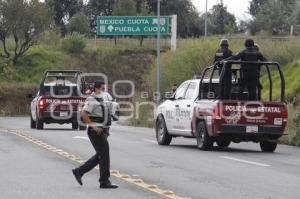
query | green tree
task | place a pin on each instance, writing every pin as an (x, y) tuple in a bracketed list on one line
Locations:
[(274, 16), (143, 8), (97, 8), (255, 6), (79, 23), (63, 11), (24, 21), (222, 21), (187, 15), (125, 8)]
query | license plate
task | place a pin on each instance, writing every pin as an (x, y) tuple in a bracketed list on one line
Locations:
[(63, 114), (251, 129), (278, 121)]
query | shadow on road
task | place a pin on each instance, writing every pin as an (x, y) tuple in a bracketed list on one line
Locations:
[(217, 149), (59, 129)]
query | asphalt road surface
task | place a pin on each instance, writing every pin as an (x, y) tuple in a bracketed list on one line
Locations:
[(242, 171)]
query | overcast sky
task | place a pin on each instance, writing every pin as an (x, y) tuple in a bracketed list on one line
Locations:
[(238, 7)]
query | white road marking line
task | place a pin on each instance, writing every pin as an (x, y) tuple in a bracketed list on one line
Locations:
[(150, 141), (82, 137), (246, 161)]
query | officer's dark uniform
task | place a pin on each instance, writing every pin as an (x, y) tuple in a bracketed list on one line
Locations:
[(221, 54), (260, 87), (249, 72), (99, 113)]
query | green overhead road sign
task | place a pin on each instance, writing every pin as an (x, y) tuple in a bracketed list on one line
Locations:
[(132, 25)]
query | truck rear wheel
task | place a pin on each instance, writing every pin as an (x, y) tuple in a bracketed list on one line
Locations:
[(223, 143), (267, 146), (39, 124), (162, 135), (32, 123), (204, 141)]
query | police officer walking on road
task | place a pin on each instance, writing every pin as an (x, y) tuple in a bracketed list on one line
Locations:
[(96, 113), (250, 73)]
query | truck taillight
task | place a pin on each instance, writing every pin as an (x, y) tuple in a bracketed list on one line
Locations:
[(285, 114), (217, 112), (41, 103)]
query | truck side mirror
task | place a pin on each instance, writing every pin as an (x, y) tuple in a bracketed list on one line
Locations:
[(168, 96)]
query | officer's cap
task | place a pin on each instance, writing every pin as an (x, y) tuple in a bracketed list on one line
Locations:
[(249, 43), (224, 42), (98, 84)]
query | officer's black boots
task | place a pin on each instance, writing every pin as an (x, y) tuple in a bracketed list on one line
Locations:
[(108, 185), (77, 176)]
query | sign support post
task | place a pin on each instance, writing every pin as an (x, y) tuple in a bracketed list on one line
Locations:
[(174, 33), (158, 55)]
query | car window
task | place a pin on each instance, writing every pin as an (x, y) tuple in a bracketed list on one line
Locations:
[(180, 92), (212, 94), (190, 91)]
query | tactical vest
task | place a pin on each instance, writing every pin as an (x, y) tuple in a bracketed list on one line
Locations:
[(106, 116)]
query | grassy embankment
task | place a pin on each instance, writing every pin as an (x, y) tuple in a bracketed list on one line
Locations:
[(129, 61)]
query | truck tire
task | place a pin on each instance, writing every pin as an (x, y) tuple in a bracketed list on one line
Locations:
[(32, 123), (39, 124), (223, 143), (204, 141), (75, 125), (162, 135), (267, 146)]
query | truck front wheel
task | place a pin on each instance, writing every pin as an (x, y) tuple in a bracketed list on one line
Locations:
[(162, 135), (267, 146), (204, 141)]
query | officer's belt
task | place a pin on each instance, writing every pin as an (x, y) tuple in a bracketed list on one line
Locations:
[(96, 119)]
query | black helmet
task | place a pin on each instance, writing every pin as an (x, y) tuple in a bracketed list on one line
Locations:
[(249, 43), (224, 42)]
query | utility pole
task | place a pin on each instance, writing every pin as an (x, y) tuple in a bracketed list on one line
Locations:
[(158, 54), (206, 20)]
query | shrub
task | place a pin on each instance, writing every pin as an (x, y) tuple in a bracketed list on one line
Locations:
[(74, 43)]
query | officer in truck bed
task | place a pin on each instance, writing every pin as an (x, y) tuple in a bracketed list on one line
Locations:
[(97, 114), (222, 53), (250, 73)]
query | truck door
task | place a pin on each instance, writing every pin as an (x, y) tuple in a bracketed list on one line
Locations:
[(185, 110), (174, 107)]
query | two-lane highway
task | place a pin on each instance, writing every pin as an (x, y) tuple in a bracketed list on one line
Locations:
[(241, 171)]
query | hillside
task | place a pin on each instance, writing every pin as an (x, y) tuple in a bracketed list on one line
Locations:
[(128, 61)]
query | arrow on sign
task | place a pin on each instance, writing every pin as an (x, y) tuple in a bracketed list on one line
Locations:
[(110, 28)]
